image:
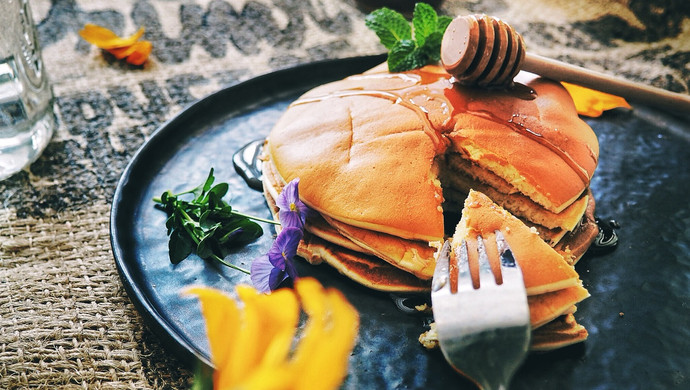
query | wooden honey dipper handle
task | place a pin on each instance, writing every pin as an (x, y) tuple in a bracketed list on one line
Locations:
[(485, 51)]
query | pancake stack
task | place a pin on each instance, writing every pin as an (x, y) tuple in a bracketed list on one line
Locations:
[(387, 159)]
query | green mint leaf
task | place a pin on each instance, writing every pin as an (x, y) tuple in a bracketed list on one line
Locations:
[(431, 48), (442, 24), (200, 191), (390, 26), (167, 196), (405, 56), (207, 219), (206, 224), (424, 22), (205, 247), (220, 190), (179, 246), (409, 46), (209, 181)]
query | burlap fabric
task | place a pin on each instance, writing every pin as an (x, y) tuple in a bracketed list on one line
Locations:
[(65, 319)]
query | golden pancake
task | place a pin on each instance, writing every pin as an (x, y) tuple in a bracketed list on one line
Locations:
[(379, 155)]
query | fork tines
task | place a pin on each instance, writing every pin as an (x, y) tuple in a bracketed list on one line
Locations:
[(483, 326), (470, 265)]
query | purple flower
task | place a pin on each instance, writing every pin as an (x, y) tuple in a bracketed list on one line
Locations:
[(293, 212), (271, 269)]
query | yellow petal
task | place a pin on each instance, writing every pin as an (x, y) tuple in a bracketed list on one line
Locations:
[(270, 378), (269, 325), (222, 321), (342, 333), (589, 102), (106, 39), (323, 365), (314, 305), (251, 343)]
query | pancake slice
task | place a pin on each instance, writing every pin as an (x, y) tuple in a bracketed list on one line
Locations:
[(562, 332), (553, 286), (544, 308), (544, 270), (368, 271), (416, 257)]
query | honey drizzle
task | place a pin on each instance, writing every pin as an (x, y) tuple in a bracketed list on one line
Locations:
[(421, 111), (440, 87), (404, 96), (565, 156)]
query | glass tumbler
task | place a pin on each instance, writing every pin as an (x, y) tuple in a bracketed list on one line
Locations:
[(27, 121)]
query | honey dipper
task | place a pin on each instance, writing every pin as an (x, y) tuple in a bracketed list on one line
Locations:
[(485, 51)]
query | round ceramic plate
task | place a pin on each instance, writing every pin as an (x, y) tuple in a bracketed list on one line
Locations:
[(637, 316)]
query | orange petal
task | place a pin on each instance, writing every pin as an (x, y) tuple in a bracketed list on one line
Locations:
[(106, 39), (589, 102), (140, 53), (122, 52)]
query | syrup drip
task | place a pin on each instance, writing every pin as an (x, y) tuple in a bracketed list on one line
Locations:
[(520, 127), (408, 94), (522, 92), (607, 238)]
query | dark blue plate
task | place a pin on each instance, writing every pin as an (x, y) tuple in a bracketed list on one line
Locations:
[(638, 315)]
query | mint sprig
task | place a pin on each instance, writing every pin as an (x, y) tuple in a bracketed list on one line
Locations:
[(206, 224), (409, 46)]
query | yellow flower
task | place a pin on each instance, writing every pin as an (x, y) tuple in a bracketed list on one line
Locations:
[(133, 50), (253, 345), (589, 102)]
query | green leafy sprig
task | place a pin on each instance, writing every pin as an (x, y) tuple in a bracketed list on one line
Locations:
[(206, 224), (409, 46)]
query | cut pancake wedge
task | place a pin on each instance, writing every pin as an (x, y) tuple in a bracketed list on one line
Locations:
[(544, 270), (553, 286)]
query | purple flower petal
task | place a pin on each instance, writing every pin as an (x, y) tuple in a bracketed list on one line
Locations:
[(293, 212), (285, 246), (271, 269), (261, 270), (275, 255), (290, 238), (277, 276), (289, 194), (291, 270)]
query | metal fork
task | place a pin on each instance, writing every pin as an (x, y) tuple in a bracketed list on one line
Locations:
[(484, 332)]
